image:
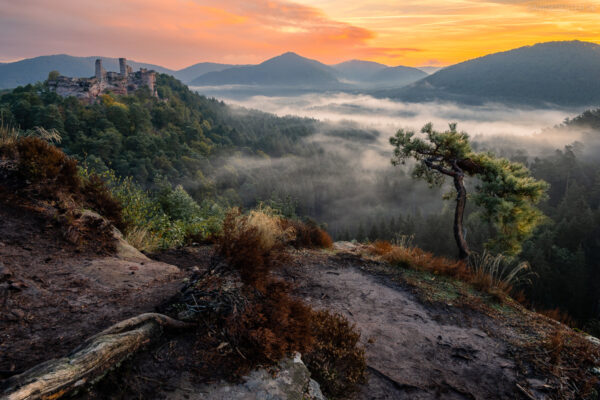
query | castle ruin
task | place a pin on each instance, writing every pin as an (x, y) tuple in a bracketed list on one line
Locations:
[(123, 82)]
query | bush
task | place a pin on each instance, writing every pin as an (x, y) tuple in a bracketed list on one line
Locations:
[(98, 195), (272, 325), (337, 361), (42, 163), (307, 235), (253, 244)]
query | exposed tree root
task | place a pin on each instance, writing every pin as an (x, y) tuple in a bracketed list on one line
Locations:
[(90, 361)]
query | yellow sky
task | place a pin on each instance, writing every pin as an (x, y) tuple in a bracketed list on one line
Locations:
[(448, 31), (178, 33)]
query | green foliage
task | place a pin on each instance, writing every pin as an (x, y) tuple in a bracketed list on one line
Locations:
[(53, 75), (439, 148), (176, 136), (505, 191), (168, 218), (508, 193)]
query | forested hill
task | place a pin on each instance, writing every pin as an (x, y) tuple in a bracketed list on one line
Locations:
[(174, 136), (559, 73)]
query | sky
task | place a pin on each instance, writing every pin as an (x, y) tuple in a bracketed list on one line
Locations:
[(178, 33)]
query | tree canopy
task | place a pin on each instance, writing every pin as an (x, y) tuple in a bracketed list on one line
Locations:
[(505, 190)]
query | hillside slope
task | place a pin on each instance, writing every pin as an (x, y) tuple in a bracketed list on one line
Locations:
[(559, 73)]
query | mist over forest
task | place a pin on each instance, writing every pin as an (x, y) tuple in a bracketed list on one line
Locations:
[(351, 172)]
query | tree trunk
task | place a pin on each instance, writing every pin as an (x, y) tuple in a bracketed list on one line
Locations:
[(89, 362), (461, 202)]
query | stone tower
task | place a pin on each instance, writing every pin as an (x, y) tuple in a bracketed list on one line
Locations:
[(99, 70), (123, 67)]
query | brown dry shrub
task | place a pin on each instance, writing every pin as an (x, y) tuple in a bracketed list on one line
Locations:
[(241, 328), (571, 358), (100, 198), (41, 162), (253, 244), (48, 179), (558, 315), (307, 234), (272, 326), (413, 257), (381, 247), (337, 361)]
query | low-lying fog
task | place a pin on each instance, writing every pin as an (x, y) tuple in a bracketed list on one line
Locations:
[(388, 116), (352, 182)]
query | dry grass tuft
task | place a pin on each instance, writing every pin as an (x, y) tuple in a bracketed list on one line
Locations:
[(142, 239), (337, 361), (8, 134), (493, 272), (486, 273), (413, 257)]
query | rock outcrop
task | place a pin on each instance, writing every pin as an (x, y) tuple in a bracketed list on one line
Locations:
[(289, 380)]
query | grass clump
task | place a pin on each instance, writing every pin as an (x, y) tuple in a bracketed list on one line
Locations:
[(494, 272), (254, 243), (485, 272)]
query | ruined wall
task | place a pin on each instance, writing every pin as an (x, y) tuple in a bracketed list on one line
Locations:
[(124, 82)]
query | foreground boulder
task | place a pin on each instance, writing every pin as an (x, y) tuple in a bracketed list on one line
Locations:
[(288, 380)]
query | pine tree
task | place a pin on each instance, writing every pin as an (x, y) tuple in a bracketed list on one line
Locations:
[(505, 190)]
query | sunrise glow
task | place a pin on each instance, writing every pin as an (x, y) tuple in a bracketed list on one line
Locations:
[(177, 33)]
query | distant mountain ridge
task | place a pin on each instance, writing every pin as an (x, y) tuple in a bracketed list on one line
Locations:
[(551, 73), (358, 70), (546, 74), (288, 69), (372, 74)]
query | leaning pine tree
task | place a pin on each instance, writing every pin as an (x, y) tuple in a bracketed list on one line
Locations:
[(505, 190)]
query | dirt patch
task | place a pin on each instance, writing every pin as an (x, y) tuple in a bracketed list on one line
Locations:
[(53, 294)]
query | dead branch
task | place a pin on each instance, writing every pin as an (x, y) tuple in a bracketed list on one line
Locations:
[(89, 362)]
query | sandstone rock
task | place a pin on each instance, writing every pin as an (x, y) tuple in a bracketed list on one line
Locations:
[(124, 250), (314, 391), (290, 381)]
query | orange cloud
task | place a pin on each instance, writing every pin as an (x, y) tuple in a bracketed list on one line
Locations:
[(174, 33)]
